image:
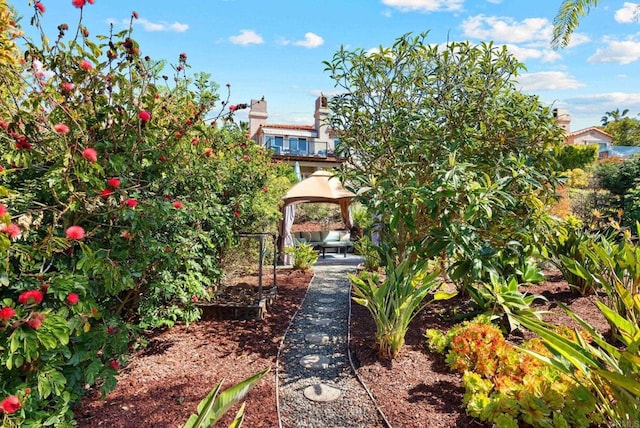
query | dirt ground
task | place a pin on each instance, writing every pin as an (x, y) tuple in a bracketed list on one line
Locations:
[(163, 383)]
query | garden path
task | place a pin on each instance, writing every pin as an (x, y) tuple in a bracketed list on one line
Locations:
[(317, 386)]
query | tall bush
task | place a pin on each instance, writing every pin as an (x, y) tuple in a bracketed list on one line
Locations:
[(122, 187)]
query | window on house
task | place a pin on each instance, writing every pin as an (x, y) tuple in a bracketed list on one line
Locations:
[(274, 142), (298, 145)]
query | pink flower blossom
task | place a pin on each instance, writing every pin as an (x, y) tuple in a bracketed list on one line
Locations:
[(90, 154), (125, 234), (233, 107), (7, 313), (72, 299), (144, 116), (114, 182), (12, 230), (30, 297), (67, 86), (3, 210), (177, 204), (11, 404), (61, 128), (84, 64), (40, 7), (75, 233), (36, 321)]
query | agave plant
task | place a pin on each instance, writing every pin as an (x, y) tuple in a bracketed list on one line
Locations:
[(396, 301), (216, 403)]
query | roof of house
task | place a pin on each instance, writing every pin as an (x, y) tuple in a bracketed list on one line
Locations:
[(588, 130), (294, 127)]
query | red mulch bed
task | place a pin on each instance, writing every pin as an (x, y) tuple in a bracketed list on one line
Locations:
[(164, 382)]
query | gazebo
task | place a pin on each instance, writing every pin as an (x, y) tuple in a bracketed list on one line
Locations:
[(321, 186)]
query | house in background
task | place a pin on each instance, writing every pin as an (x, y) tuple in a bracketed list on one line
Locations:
[(311, 147), (593, 135)]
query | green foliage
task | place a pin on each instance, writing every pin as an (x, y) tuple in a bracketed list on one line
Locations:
[(568, 19), (396, 301), (621, 180), (153, 191), (625, 131), (451, 179), (216, 404), (369, 251), (501, 300), (577, 178), (304, 256), (507, 386), (572, 156), (361, 216)]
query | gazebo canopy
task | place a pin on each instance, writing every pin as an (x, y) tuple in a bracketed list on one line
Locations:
[(321, 186)]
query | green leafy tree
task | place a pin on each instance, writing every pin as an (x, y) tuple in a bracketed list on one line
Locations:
[(613, 115), (454, 160), (625, 131), (572, 156)]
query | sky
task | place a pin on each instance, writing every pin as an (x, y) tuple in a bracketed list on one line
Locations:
[(275, 48)]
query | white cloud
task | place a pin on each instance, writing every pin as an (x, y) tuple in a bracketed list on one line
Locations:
[(246, 37), (548, 81), (178, 27), (310, 41), (508, 30), (621, 52), (628, 14), (525, 53), (624, 99), (425, 5)]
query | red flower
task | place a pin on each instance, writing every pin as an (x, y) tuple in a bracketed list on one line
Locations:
[(30, 296), (113, 182), (11, 404), (177, 204), (144, 115), (44, 288), (112, 330), (40, 7), (105, 193), (131, 203), (233, 107), (78, 3), (125, 234), (61, 128), (236, 214), (36, 321), (194, 299), (7, 312), (246, 158), (84, 64), (163, 158), (27, 390), (114, 364), (134, 14), (72, 299), (183, 56), (90, 154), (13, 230), (4, 124), (75, 233), (3, 210), (22, 143), (67, 86), (208, 151), (178, 134)]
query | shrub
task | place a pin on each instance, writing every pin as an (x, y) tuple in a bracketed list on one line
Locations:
[(572, 156), (509, 387), (304, 256), (369, 251)]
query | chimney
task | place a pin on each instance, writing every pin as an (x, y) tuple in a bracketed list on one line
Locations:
[(257, 117), (563, 119), (321, 115)]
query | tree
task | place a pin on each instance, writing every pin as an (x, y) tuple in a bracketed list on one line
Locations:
[(568, 19), (625, 131), (614, 115), (452, 158)]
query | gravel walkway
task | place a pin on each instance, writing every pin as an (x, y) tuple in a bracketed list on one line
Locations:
[(316, 384)]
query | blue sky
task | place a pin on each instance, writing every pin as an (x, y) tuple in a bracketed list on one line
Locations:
[(275, 48)]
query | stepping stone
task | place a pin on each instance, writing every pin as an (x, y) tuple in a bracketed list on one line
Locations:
[(321, 321), (322, 393), (317, 338), (327, 291), (315, 361), (325, 309), (326, 300)]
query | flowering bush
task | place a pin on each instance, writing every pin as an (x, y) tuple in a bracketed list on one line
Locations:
[(118, 196)]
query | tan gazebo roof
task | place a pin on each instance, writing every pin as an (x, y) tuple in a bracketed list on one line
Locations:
[(321, 186)]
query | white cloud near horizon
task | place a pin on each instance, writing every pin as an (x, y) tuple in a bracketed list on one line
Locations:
[(525, 53), (628, 14), (147, 25), (247, 37), (425, 5), (311, 40), (547, 81), (618, 51)]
